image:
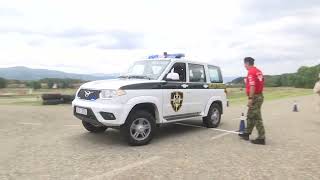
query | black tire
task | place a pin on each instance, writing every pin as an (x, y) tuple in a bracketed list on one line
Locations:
[(52, 102), (92, 128), (214, 116), (51, 96), (135, 118)]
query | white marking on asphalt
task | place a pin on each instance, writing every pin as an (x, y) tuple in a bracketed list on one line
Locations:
[(71, 125), (28, 123), (115, 172), (215, 129), (220, 135)]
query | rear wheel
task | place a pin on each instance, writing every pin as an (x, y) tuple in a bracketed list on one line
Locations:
[(139, 128), (92, 128), (214, 116)]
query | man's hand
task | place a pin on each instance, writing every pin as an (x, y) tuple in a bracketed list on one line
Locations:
[(250, 103)]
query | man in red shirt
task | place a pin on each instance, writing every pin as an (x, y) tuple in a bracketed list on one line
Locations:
[(254, 88)]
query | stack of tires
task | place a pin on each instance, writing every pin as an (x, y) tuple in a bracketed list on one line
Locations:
[(54, 99)]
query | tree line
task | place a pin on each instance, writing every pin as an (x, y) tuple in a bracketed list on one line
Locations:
[(49, 82), (305, 77)]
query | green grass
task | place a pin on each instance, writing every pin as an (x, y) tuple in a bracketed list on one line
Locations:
[(237, 96)]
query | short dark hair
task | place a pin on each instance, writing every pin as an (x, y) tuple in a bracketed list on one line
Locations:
[(249, 60)]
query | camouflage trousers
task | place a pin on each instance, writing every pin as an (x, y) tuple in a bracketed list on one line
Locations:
[(254, 118)]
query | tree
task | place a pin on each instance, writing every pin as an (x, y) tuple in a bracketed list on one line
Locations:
[(304, 78), (34, 84), (3, 83)]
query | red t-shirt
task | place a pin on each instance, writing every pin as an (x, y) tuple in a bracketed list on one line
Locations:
[(255, 78)]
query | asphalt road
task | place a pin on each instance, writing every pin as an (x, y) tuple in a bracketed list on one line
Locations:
[(47, 142)]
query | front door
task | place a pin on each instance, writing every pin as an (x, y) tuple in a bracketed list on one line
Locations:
[(175, 95)]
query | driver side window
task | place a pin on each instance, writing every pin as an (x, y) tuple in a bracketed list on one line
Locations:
[(179, 68)]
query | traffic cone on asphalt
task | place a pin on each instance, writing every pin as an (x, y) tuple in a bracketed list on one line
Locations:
[(295, 107), (242, 125)]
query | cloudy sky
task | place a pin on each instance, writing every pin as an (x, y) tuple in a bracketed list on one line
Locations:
[(107, 36)]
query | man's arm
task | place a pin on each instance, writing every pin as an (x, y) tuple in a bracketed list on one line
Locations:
[(252, 84), (251, 94)]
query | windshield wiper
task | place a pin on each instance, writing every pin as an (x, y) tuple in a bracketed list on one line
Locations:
[(135, 77)]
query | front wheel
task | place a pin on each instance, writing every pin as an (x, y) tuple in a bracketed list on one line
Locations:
[(92, 128), (139, 128), (214, 116)]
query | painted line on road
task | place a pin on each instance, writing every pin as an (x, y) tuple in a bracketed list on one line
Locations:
[(115, 172), (220, 135), (71, 125), (28, 123), (214, 129)]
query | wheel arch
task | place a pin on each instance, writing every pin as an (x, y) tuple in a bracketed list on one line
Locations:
[(149, 107), (146, 103), (214, 101)]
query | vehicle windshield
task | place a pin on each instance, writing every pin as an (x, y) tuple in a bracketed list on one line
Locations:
[(148, 69)]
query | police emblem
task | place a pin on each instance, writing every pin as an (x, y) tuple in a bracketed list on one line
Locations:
[(176, 100)]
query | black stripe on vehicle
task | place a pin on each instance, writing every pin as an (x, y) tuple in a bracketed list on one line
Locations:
[(172, 85), (182, 116)]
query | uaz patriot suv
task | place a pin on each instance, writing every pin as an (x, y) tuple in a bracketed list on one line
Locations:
[(154, 91)]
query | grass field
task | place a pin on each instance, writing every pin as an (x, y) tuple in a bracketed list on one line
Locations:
[(237, 96), (24, 96)]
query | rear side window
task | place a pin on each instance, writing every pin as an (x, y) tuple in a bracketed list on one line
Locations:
[(197, 73), (215, 74)]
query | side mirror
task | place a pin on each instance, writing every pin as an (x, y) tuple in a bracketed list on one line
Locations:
[(173, 76)]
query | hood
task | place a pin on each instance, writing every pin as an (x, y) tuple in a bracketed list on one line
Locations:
[(114, 83)]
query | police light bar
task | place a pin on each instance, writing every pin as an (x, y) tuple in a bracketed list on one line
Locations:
[(178, 56)]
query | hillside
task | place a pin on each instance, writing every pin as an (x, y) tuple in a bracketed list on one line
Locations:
[(24, 73), (305, 77)]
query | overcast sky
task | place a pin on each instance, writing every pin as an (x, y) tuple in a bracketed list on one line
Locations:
[(107, 36)]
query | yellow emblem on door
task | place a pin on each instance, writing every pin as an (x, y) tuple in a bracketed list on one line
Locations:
[(176, 100)]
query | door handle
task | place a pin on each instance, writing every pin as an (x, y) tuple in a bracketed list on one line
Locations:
[(184, 85), (205, 86)]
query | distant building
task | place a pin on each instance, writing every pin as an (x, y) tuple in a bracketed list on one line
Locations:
[(55, 86)]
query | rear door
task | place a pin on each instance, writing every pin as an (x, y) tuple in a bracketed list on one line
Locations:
[(216, 85), (198, 87)]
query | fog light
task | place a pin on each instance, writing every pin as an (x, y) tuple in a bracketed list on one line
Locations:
[(107, 116)]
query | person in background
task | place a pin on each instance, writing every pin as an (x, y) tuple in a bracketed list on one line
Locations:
[(254, 88), (165, 54), (316, 90)]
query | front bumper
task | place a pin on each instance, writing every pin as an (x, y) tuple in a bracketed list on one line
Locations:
[(119, 111)]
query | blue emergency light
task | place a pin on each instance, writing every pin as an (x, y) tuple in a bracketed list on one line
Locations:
[(178, 56)]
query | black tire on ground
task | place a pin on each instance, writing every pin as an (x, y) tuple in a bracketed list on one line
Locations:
[(68, 98), (51, 96), (92, 128), (52, 102), (139, 128), (214, 116)]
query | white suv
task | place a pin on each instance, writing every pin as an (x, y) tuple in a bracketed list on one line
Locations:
[(153, 92)]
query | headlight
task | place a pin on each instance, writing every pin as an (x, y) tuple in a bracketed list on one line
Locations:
[(107, 94)]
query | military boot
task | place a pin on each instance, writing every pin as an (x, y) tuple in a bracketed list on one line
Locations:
[(258, 141), (244, 136)]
